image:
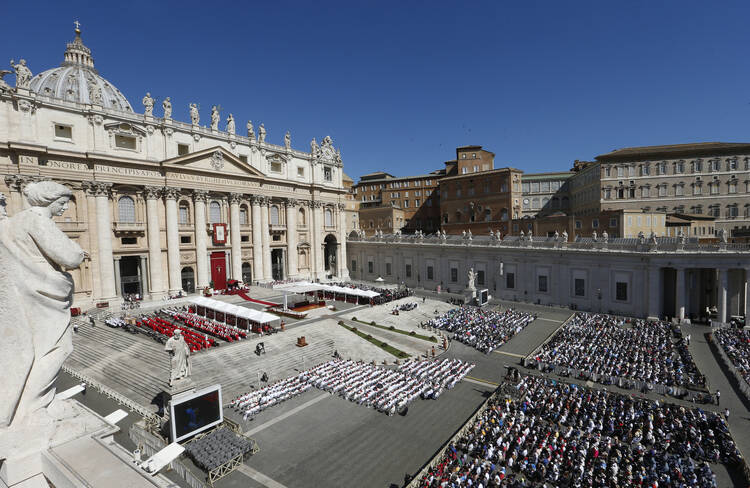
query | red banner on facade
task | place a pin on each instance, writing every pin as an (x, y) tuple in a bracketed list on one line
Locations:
[(220, 233)]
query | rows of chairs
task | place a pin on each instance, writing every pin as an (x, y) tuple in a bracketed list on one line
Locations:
[(225, 332), (217, 448), (195, 341)]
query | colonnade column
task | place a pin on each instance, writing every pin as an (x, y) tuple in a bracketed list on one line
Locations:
[(173, 240), (680, 298), (723, 292), (201, 246), (317, 214), (143, 270), (654, 292), (257, 239), (234, 233), (265, 237), (104, 238), (153, 231), (343, 271), (291, 236)]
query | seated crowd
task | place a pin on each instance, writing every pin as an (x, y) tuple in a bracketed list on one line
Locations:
[(384, 389), (250, 404), (562, 435), (404, 307), (217, 329), (604, 347), (484, 330), (736, 343)]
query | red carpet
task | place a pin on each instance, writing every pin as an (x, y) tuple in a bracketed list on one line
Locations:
[(267, 304)]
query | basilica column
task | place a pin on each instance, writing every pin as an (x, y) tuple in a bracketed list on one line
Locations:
[(143, 274), (319, 246), (201, 246), (257, 239), (234, 233), (104, 239), (118, 278), (153, 233), (291, 237), (654, 291), (680, 298), (343, 271), (747, 296), (265, 236), (173, 240), (723, 292)]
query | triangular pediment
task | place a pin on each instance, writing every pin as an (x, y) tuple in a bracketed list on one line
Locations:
[(215, 160)]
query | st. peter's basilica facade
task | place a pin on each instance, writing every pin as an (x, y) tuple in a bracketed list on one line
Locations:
[(162, 205)]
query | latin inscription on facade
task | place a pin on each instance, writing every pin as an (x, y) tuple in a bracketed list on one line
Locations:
[(67, 165), (100, 168)]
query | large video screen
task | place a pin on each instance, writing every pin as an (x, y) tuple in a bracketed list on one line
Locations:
[(483, 296), (196, 412)]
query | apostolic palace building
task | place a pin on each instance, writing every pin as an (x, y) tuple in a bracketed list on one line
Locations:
[(163, 205)]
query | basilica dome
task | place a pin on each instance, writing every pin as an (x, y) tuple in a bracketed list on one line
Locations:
[(76, 80)]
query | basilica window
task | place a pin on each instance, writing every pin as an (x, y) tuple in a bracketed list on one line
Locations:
[(126, 210), (63, 132), (125, 142), (243, 215), (301, 217), (214, 213), (274, 215), (184, 214), (301, 174), (276, 167), (182, 149), (328, 217), (328, 173)]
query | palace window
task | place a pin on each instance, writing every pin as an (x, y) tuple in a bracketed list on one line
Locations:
[(732, 211), (678, 190), (697, 166), (732, 164), (214, 213), (126, 210), (732, 186), (613, 222)]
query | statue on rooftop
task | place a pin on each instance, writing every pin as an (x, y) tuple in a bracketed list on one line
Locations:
[(37, 292), (250, 131), (261, 133), (167, 106), (288, 140), (230, 124), (195, 115), (215, 117), (23, 73), (148, 105)]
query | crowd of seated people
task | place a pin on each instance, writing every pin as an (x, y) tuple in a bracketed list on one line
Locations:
[(605, 346), (736, 343), (208, 326), (562, 435), (195, 341), (484, 330), (387, 390), (250, 404), (115, 322)]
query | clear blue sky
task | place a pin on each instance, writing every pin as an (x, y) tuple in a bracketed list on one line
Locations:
[(398, 85)]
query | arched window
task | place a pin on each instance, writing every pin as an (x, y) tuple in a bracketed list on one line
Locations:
[(184, 214), (126, 210), (214, 213), (329, 217), (301, 217), (243, 215), (274, 215)]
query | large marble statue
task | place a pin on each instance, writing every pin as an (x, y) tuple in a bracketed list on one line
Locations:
[(230, 124), (250, 131), (261, 133), (23, 73), (723, 236), (195, 115), (148, 105), (470, 279), (180, 361), (37, 293), (215, 117), (167, 106), (4, 86), (288, 140)]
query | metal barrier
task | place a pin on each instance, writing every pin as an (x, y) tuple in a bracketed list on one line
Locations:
[(727, 363)]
